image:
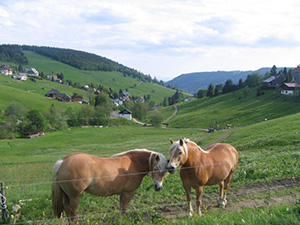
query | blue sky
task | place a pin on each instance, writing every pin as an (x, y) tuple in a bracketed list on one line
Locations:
[(162, 38)]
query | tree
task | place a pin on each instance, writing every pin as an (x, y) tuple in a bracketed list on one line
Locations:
[(228, 87), (165, 102), (33, 121), (140, 111), (16, 110), (156, 119), (253, 80), (85, 114), (56, 118), (273, 71), (218, 89), (241, 84), (101, 116), (72, 117), (258, 92), (211, 90), (201, 93)]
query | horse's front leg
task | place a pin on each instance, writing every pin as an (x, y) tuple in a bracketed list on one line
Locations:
[(199, 193), (188, 198), (125, 198)]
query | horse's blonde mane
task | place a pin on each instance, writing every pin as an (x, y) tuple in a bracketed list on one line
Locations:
[(162, 159), (133, 150), (186, 141)]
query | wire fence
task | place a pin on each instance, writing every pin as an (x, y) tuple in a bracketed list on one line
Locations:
[(49, 181), (294, 182)]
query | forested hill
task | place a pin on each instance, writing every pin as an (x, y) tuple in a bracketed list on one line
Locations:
[(192, 82), (78, 59)]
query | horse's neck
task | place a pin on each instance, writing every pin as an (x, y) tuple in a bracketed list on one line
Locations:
[(142, 160), (194, 153)]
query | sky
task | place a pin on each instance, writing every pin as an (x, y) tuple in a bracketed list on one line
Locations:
[(162, 38)]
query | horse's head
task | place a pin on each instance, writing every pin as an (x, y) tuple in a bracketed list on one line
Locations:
[(179, 154), (157, 166)]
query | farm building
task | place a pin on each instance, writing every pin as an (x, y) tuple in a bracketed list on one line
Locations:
[(6, 70), (273, 81), (125, 113), (289, 88), (77, 98), (52, 93)]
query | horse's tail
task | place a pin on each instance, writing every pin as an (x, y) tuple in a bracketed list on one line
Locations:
[(57, 194)]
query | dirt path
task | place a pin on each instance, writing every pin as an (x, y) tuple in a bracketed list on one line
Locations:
[(174, 114), (237, 199)]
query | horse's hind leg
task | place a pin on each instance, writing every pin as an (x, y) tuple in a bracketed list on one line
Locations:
[(125, 197), (222, 202), (227, 182), (71, 205), (199, 192)]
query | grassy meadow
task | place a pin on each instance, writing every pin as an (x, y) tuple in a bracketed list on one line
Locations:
[(235, 108), (115, 80), (269, 154)]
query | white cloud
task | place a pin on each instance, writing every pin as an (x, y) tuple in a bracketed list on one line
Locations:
[(163, 38)]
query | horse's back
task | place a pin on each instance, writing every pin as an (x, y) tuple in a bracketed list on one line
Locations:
[(221, 152)]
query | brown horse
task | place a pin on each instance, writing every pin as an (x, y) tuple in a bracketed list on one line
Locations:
[(200, 168), (120, 174)]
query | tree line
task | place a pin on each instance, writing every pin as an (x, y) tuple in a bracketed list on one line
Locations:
[(252, 80), (78, 59)]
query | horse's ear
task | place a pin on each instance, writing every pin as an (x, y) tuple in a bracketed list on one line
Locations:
[(171, 141), (181, 142), (157, 158)]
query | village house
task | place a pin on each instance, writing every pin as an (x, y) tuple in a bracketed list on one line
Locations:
[(77, 98), (63, 97), (273, 81), (31, 72), (20, 77), (53, 93), (125, 113), (117, 102), (296, 72), (6, 70), (140, 99), (289, 88)]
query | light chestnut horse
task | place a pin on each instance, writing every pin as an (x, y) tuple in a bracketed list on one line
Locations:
[(199, 168), (121, 174)]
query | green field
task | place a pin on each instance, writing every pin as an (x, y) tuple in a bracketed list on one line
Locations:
[(115, 80), (269, 154), (235, 109), (32, 94)]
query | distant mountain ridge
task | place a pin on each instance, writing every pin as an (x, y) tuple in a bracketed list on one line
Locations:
[(193, 82)]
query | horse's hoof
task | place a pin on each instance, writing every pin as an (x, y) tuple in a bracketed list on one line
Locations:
[(190, 214)]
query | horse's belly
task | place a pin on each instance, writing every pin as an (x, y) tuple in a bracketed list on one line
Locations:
[(103, 190)]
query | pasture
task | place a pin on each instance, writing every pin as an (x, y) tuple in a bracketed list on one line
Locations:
[(234, 108), (268, 169)]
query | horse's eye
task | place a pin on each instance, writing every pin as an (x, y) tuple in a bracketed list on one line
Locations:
[(180, 153), (155, 169)]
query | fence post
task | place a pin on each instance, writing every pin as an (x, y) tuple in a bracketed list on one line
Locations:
[(3, 206)]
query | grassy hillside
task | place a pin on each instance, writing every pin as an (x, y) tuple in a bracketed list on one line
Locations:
[(269, 152), (235, 109), (32, 94), (114, 80)]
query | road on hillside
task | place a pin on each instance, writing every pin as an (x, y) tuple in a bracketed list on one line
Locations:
[(174, 114)]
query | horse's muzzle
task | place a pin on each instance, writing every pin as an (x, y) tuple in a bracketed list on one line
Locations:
[(171, 169), (158, 187)]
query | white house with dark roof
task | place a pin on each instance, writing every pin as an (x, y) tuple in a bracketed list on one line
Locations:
[(289, 88), (125, 113)]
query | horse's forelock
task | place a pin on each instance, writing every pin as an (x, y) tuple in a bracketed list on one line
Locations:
[(176, 145)]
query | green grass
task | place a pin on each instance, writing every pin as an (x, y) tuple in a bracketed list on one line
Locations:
[(268, 151), (235, 109), (32, 94), (115, 80)]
